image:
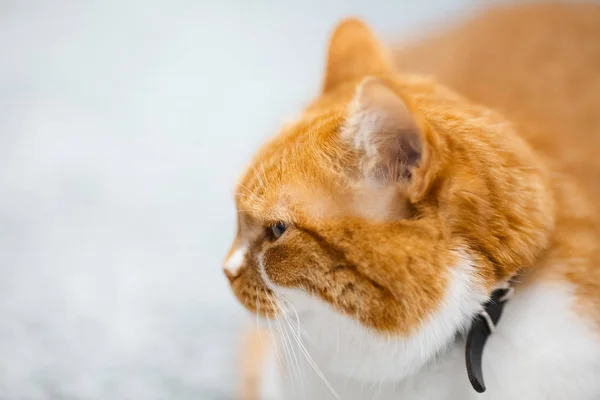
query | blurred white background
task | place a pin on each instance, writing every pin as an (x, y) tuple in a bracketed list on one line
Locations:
[(123, 126)]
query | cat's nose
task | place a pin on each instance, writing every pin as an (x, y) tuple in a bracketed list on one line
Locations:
[(233, 263), (231, 276)]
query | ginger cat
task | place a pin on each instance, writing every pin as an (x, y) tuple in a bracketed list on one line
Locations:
[(375, 229)]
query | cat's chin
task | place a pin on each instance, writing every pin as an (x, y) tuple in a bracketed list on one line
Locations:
[(343, 346)]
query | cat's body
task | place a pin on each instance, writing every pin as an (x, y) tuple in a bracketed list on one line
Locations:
[(539, 65)]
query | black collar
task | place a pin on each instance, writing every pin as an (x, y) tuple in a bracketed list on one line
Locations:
[(483, 326)]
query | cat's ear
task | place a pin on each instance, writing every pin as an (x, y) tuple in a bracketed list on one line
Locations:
[(354, 53), (392, 143)]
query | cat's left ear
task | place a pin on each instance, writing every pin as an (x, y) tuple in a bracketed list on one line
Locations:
[(394, 145), (354, 52)]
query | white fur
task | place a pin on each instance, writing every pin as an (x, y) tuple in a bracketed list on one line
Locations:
[(541, 349), (384, 358), (235, 261), (271, 382)]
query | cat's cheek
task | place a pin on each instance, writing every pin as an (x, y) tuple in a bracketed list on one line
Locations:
[(294, 260), (355, 349), (279, 266)]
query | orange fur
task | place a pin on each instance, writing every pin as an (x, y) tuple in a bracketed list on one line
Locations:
[(508, 170), (548, 85), (252, 356)]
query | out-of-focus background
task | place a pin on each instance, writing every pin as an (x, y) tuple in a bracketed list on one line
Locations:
[(123, 126)]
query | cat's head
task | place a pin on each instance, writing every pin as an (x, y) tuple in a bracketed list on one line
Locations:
[(387, 212)]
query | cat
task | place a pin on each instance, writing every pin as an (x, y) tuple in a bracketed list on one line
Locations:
[(421, 183)]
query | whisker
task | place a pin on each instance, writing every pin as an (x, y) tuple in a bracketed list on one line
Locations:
[(258, 178), (298, 369), (289, 303), (279, 361), (310, 359), (245, 211), (292, 345), (248, 195), (270, 332), (285, 348), (246, 188), (263, 170)]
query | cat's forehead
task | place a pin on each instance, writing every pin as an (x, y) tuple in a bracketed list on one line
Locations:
[(302, 171), (291, 196), (294, 168)]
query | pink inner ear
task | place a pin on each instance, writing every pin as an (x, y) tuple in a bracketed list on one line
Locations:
[(396, 158), (406, 150), (383, 128)]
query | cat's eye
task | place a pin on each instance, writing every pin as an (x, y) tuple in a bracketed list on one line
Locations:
[(278, 229)]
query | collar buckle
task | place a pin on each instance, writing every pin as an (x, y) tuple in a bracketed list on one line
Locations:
[(508, 293)]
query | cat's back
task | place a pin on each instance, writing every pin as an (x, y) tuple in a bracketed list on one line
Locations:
[(539, 64)]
